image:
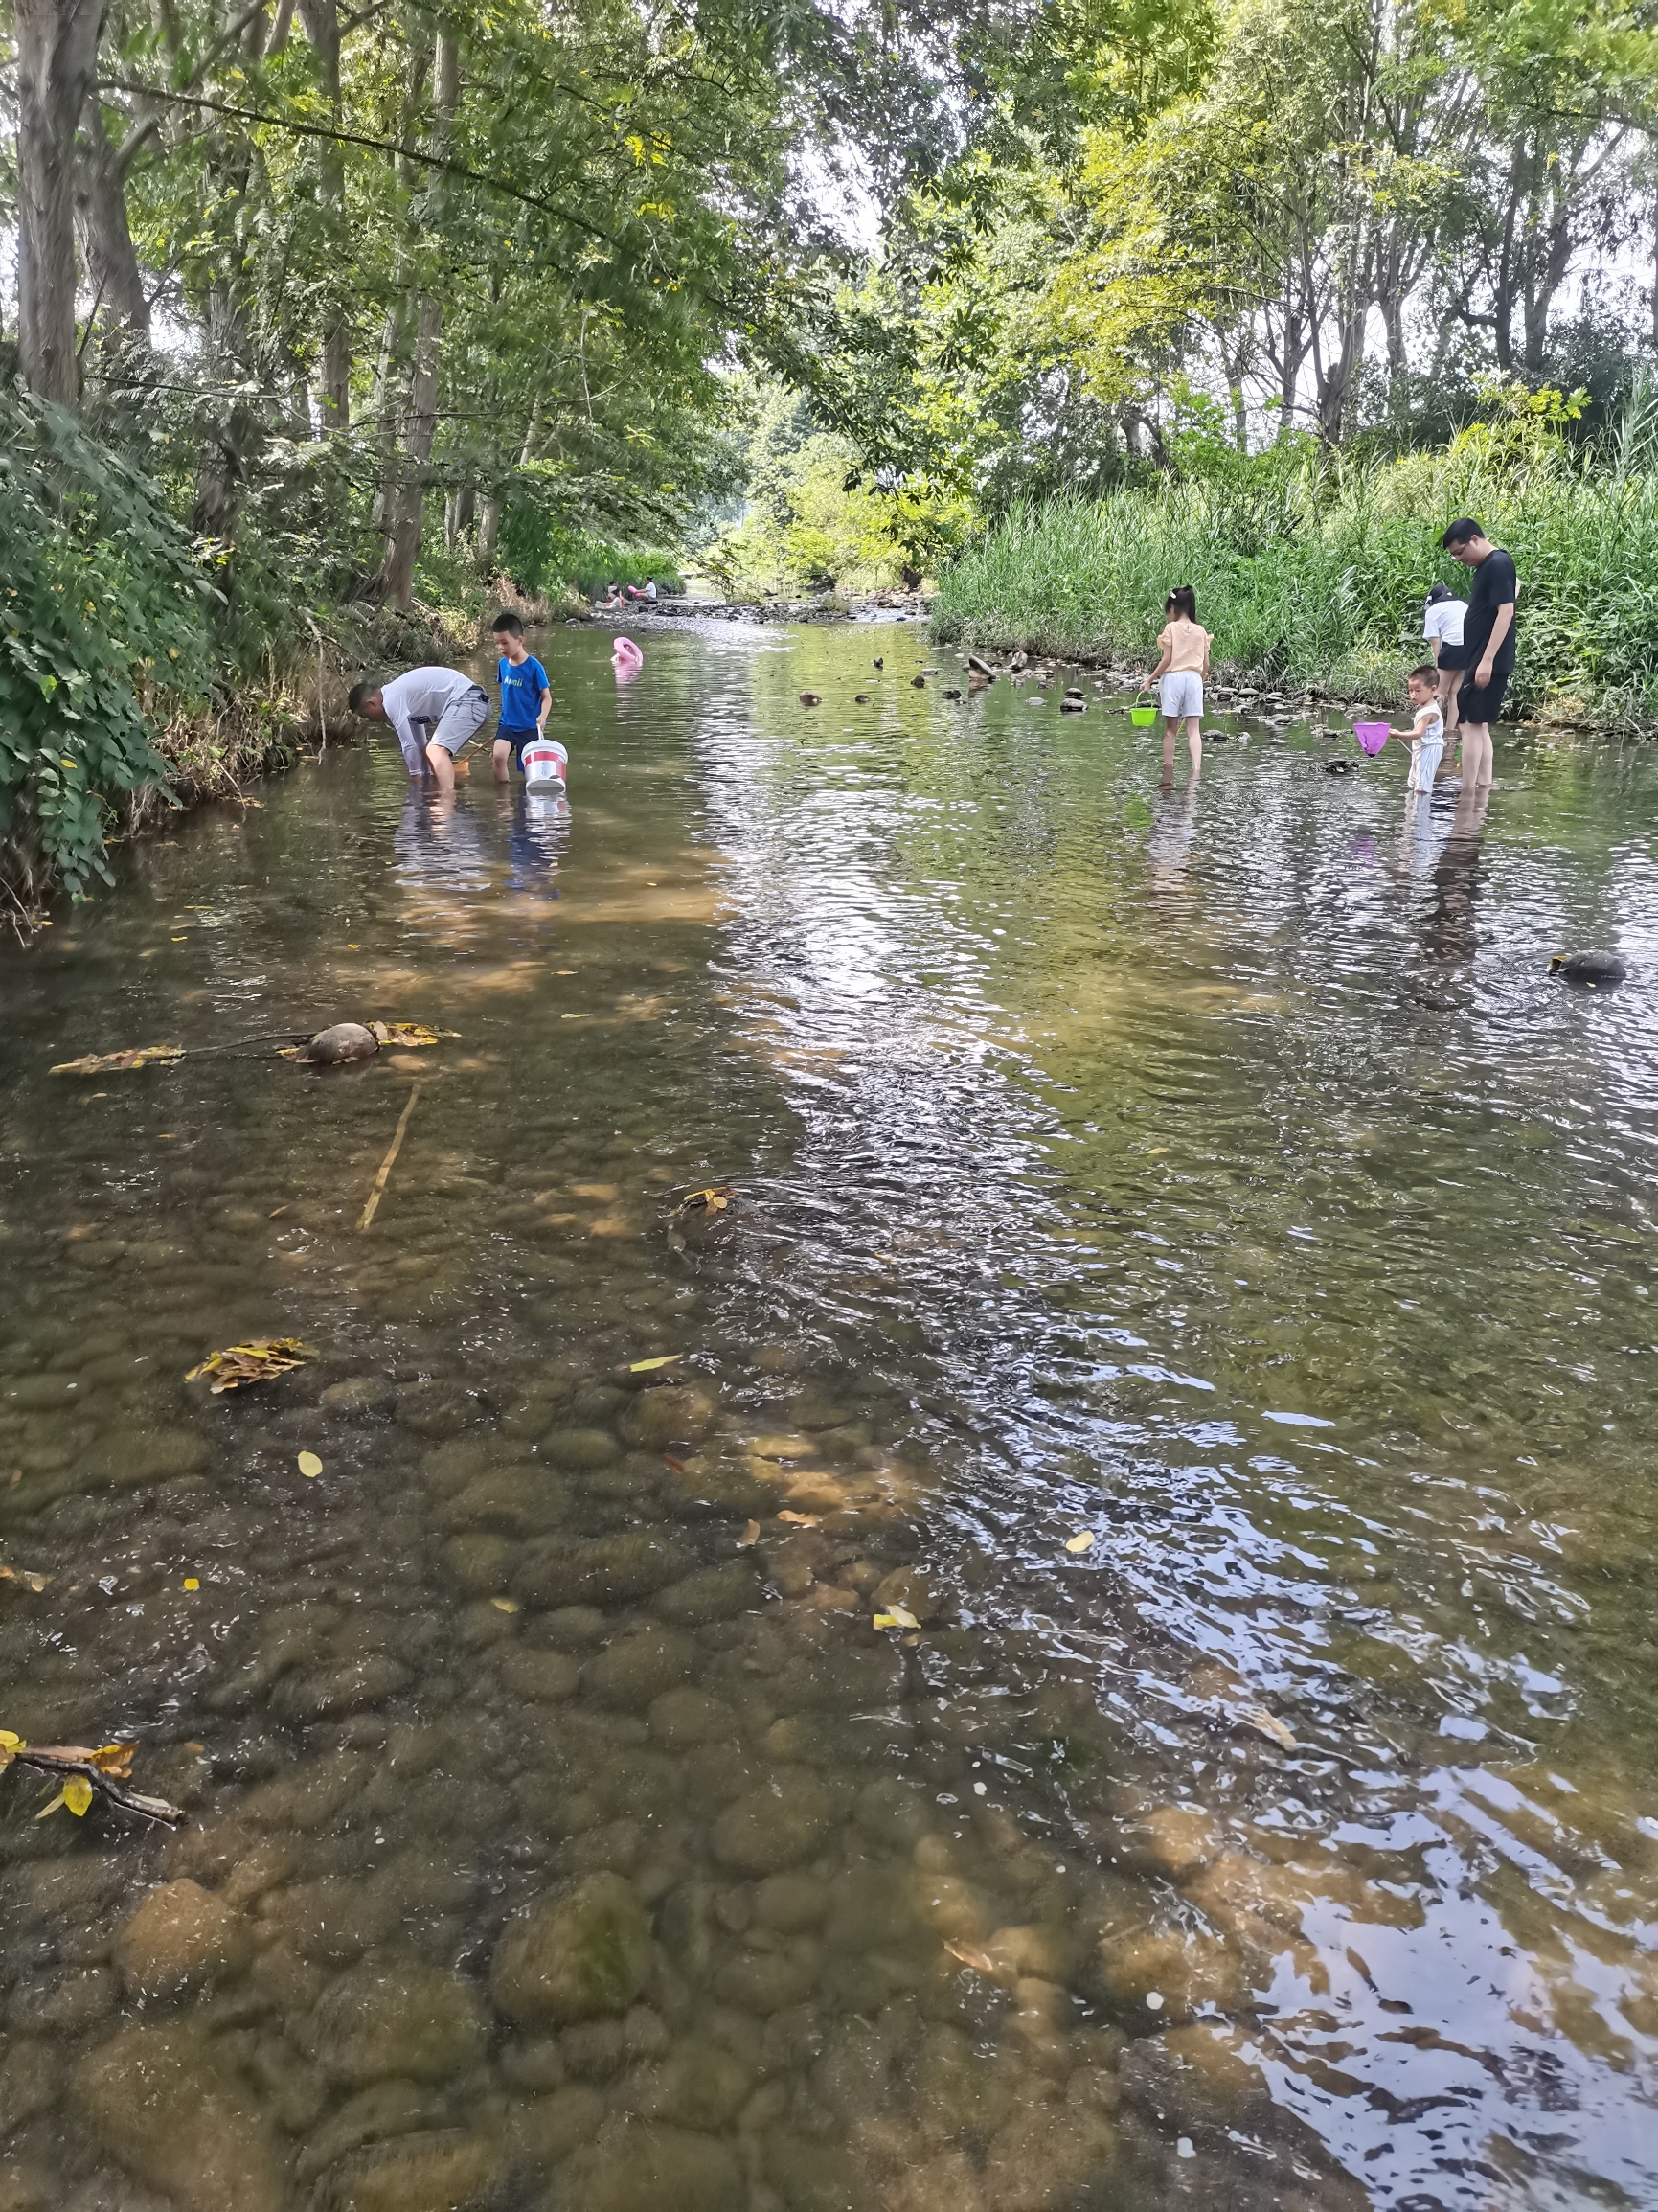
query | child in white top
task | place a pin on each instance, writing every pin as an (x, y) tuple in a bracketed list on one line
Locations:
[(1179, 675), (1427, 732), (1442, 621)]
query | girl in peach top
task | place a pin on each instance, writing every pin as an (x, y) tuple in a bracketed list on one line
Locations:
[(1179, 674)]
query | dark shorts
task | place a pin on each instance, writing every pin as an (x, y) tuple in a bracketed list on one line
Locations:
[(1452, 656), (1477, 705), (517, 740)]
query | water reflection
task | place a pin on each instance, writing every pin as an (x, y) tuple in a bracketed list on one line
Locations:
[(1232, 1366)]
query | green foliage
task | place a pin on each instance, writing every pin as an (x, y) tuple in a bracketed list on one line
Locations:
[(1315, 572), (105, 624), (817, 520)]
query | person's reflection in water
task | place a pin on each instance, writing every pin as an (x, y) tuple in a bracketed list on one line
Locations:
[(1168, 847), (537, 840), (1452, 934), (442, 863)]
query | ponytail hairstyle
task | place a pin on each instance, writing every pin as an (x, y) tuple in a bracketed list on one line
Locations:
[(1182, 602)]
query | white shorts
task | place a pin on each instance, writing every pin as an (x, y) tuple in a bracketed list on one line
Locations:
[(463, 719), (1182, 694), (1426, 764)]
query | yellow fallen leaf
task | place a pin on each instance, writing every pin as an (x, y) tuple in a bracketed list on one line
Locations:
[(897, 1618), (573, 1017), (1157, 1153), (802, 1519), (650, 1366), (1082, 1541), (46, 1811), (750, 1535), (11, 1743), (191, 1583), (78, 1794), (505, 1604), (310, 1466)]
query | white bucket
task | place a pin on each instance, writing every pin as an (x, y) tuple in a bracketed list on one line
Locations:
[(545, 762)]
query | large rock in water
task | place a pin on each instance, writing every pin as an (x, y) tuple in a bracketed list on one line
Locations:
[(347, 1041), (578, 1956), (1592, 967), (167, 2108)]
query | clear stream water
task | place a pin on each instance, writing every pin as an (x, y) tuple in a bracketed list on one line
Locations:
[(1214, 1174)]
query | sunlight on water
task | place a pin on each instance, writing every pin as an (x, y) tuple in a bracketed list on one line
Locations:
[(1188, 1273)]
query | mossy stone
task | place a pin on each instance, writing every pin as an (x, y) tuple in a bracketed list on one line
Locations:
[(577, 1956)]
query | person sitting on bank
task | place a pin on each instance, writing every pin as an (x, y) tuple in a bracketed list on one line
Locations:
[(435, 711), (1488, 643), (650, 588)]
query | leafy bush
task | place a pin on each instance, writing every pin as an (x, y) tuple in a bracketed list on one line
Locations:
[(1314, 572), (105, 624)]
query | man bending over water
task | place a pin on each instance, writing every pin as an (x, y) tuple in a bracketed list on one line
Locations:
[(434, 711)]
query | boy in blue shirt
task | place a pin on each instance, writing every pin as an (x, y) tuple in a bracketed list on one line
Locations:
[(525, 697)]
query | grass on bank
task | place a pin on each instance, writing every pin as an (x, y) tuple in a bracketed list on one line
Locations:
[(1313, 574)]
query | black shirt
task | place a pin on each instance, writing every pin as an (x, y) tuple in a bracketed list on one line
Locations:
[(1494, 586)]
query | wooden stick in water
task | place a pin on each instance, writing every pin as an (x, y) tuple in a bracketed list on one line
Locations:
[(389, 1160)]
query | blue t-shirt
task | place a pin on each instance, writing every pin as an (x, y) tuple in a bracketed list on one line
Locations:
[(521, 690)]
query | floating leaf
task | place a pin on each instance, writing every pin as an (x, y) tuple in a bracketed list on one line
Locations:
[(243, 1363), (310, 1466), (1269, 1725), (119, 1063), (78, 1796), (191, 1583), (411, 1036), (750, 1535), (51, 1807), (650, 1366), (897, 1618), (505, 1604), (1082, 1541), (36, 1582), (114, 1758), (803, 1520)]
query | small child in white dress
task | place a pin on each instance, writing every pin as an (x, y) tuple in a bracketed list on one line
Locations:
[(1427, 732)]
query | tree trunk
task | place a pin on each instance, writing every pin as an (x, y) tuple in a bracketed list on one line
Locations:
[(322, 22), (53, 74), (229, 442), (488, 526), (403, 545), (408, 514), (106, 239)]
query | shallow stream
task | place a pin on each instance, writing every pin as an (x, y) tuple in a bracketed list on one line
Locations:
[(1183, 1255)]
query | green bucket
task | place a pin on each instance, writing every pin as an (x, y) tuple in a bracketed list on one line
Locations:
[(1143, 714)]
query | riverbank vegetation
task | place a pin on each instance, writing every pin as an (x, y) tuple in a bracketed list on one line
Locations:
[(1311, 567)]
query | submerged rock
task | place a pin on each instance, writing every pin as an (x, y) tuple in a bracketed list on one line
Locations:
[(383, 2019), (576, 1957), (773, 1826), (165, 2104), (650, 2168), (181, 1935)]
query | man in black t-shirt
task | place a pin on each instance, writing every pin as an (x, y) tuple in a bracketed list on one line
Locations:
[(1488, 643)]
